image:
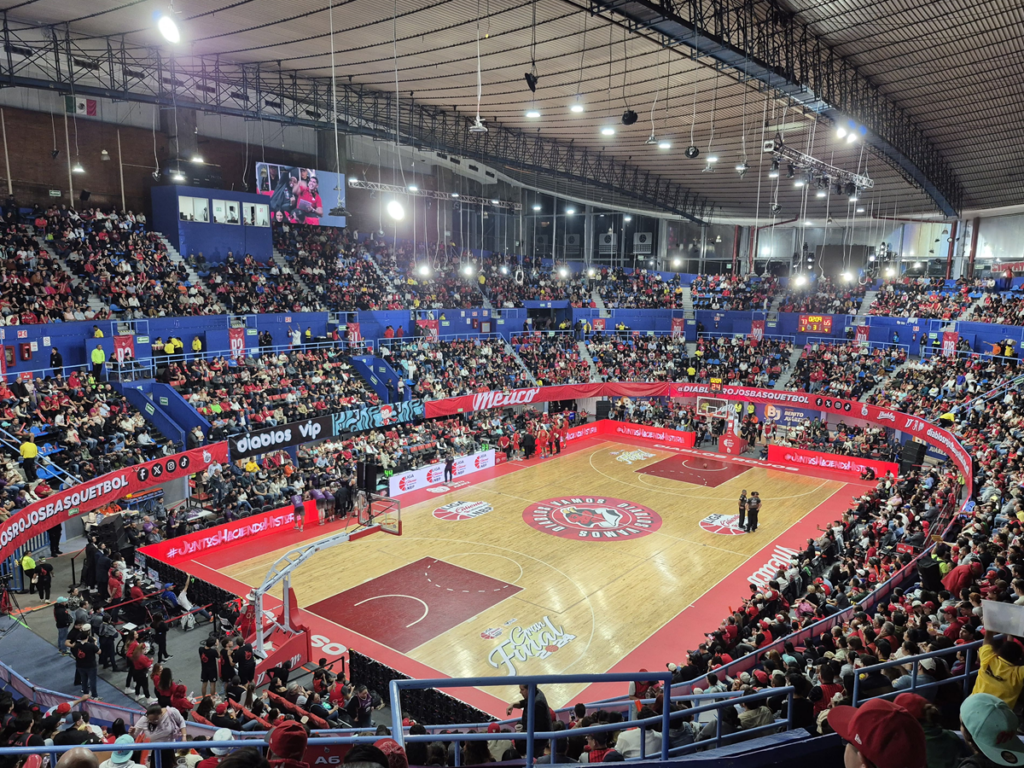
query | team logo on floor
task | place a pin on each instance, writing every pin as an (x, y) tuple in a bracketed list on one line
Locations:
[(592, 518), (536, 641), (628, 457), (724, 525), (462, 510)]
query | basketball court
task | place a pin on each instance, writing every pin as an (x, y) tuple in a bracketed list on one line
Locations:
[(617, 555)]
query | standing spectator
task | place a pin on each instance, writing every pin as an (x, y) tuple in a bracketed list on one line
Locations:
[(161, 724), (29, 451), (85, 653), (62, 618), (56, 361), (107, 638), (28, 565), (54, 533), (44, 579), (160, 638), (98, 357)]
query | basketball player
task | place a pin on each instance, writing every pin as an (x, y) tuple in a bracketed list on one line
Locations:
[(542, 443), (753, 507), (743, 508)]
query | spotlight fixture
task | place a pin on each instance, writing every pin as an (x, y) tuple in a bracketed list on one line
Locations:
[(776, 208), (840, 132), (664, 144), (455, 194), (854, 199), (712, 158), (808, 223), (478, 126), (591, 272), (168, 26), (178, 176), (847, 277), (607, 131), (627, 218), (820, 193), (570, 211), (531, 79), (790, 171), (467, 269), (54, 152), (495, 201), (533, 113), (577, 105), (536, 206), (850, 188), (718, 238), (860, 210), (742, 169), (851, 137), (692, 152), (888, 272), (424, 270), (798, 183), (629, 117), (339, 210), (677, 263), (773, 172), (395, 210), (652, 139), (77, 168), (504, 269), (104, 156), (413, 188), (197, 159), (563, 272), (800, 280)]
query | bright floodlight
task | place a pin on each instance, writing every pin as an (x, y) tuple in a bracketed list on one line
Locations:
[(847, 276), (504, 269), (590, 273), (413, 188), (607, 131), (712, 158), (467, 269), (424, 270), (801, 280), (570, 211), (664, 144), (676, 262), (533, 113), (840, 132), (169, 29), (536, 207), (888, 273), (563, 272), (627, 218), (395, 210)]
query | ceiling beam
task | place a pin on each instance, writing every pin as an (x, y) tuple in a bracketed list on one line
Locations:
[(54, 59), (766, 43)]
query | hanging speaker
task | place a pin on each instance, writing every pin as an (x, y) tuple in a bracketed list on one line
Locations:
[(84, 195)]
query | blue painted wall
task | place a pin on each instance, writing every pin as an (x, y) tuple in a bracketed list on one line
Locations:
[(170, 400), (136, 394), (214, 240)]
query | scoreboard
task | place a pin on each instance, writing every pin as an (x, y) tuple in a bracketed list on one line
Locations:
[(814, 324)]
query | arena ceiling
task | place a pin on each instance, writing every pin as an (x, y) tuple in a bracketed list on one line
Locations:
[(951, 66)]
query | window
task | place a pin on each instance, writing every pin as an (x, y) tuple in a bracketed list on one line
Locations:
[(194, 209), (254, 215), (225, 212)]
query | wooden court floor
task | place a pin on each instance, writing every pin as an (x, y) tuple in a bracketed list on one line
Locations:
[(533, 602)]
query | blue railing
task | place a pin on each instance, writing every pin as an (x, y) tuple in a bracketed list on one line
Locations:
[(970, 654)]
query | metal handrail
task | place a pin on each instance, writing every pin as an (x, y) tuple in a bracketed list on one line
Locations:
[(969, 649)]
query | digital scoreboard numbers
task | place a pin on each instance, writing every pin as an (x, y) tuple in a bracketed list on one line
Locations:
[(815, 324)]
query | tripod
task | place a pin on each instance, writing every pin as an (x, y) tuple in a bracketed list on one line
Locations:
[(9, 605)]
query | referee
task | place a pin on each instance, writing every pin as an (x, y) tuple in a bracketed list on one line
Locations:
[(743, 509), (753, 507)]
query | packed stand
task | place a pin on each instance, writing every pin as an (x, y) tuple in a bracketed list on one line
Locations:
[(738, 293), (826, 297), (628, 357), (338, 271), (553, 358), (447, 285), (35, 288), (637, 290), (849, 370), (440, 369), (739, 361), (269, 390), (923, 298), (250, 287), (1001, 309), (511, 286)]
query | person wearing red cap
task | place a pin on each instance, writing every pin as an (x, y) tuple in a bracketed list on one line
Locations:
[(288, 745), (945, 748), (879, 734)]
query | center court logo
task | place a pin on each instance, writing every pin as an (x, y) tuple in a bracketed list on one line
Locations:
[(592, 518)]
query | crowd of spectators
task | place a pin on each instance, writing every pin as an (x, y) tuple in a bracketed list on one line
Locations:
[(269, 390), (449, 282), (1001, 309), (639, 289), (734, 292), (440, 369), (825, 296), (336, 269), (552, 358), (739, 360), (849, 370), (34, 288), (636, 357), (509, 286), (249, 287), (922, 298)]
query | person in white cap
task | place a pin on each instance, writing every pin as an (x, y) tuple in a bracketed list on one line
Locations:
[(122, 758), (222, 734)]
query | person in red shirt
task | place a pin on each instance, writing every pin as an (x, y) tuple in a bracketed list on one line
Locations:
[(542, 443)]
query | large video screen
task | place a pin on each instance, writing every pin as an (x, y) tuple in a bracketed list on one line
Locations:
[(301, 195)]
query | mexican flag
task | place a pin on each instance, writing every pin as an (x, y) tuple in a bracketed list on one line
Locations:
[(75, 105)]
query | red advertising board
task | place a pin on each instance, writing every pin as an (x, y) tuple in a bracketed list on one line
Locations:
[(624, 428), (499, 399), (41, 515), (190, 546), (124, 348), (850, 465), (678, 326), (428, 328), (814, 324), (236, 342)]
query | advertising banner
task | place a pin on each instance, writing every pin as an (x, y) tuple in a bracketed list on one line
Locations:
[(301, 195), (678, 327), (37, 517), (863, 334), (236, 343), (599, 324), (124, 348), (323, 428), (428, 328), (784, 415), (500, 399), (433, 474), (757, 330), (949, 340), (660, 434), (850, 465), (192, 545)]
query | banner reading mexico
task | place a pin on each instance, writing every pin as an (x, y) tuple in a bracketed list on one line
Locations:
[(124, 348), (236, 342), (41, 515)]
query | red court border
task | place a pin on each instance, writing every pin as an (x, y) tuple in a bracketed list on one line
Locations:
[(669, 643)]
